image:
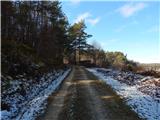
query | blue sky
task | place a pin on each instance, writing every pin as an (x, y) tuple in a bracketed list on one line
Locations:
[(129, 27)]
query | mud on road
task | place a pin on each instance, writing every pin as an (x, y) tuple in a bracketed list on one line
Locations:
[(83, 97)]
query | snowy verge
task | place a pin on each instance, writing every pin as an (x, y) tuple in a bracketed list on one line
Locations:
[(35, 101), (142, 104)]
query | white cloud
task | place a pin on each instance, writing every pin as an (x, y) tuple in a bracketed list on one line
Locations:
[(94, 21), (82, 17), (88, 18), (129, 9)]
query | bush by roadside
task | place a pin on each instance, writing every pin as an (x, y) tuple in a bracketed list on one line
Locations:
[(150, 73)]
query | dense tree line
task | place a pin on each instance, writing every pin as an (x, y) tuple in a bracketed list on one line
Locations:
[(114, 60), (39, 32), (42, 28), (40, 25)]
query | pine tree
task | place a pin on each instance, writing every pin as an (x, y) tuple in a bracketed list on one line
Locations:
[(78, 36)]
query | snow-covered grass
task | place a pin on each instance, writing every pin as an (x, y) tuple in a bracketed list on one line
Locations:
[(34, 100), (146, 106)]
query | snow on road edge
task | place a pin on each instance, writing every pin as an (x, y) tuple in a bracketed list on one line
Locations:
[(37, 106), (142, 104)]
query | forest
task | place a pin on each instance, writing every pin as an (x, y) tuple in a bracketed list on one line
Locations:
[(38, 36)]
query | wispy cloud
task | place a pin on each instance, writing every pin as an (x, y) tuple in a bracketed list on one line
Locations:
[(82, 17), (94, 21), (129, 9), (88, 18)]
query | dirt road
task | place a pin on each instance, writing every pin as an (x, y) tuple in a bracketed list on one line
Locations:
[(83, 97)]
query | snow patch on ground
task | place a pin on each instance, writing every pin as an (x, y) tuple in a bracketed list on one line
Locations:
[(27, 107), (141, 103)]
